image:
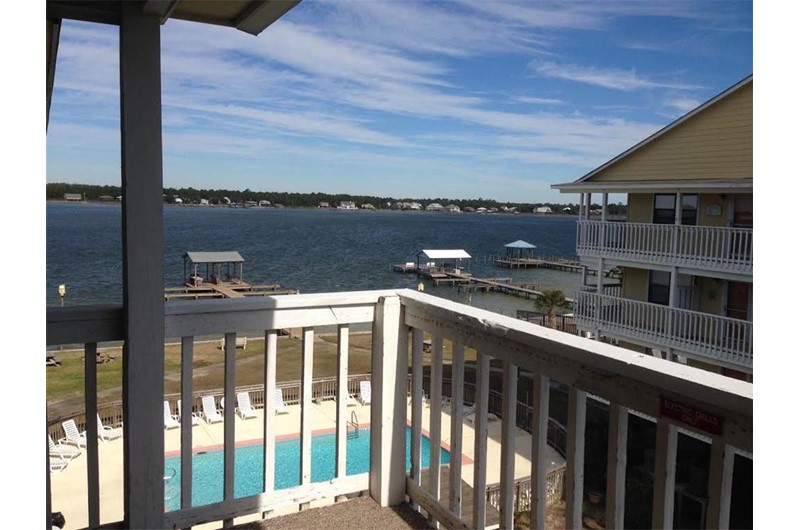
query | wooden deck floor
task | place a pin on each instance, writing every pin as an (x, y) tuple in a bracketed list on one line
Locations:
[(492, 514)]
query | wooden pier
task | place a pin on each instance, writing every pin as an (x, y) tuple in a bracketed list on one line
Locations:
[(562, 264), (509, 288)]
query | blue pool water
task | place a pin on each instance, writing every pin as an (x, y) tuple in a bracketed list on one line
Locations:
[(207, 468)]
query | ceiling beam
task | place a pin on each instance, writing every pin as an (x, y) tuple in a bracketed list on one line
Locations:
[(258, 15), (102, 12), (53, 34), (162, 8)]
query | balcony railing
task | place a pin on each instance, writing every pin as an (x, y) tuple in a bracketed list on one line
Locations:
[(399, 321), (698, 247), (720, 340)]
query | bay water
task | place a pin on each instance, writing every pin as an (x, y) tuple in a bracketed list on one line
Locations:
[(311, 250)]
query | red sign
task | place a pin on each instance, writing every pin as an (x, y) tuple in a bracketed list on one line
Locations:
[(699, 419)]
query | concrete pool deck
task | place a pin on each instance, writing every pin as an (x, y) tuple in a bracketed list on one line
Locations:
[(69, 489)]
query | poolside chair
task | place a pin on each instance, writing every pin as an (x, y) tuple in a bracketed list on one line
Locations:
[(280, 406), (106, 432), (73, 436), (58, 464), (366, 392), (62, 450), (245, 410), (210, 413), (170, 420), (195, 419), (351, 400)]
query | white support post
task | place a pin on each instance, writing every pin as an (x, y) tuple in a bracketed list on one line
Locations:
[(576, 437), (387, 477), (342, 396), (617, 462), (604, 211), (142, 267), (539, 460), (580, 208), (664, 479), (720, 482), (481, 441), (507, 446)]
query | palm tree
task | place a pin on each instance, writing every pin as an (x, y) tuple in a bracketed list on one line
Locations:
[(549, 302)]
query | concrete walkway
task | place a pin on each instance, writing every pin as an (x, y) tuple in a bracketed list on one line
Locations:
[(69, 490)]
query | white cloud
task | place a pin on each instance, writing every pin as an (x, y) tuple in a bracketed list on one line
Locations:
[(683, 104), (616, 79)]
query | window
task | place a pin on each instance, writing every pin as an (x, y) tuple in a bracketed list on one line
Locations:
[(743, 211), (664, 209), (658, 288)]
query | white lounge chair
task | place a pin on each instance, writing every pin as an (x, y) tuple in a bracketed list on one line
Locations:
[(106, 432), (73, 436), (210, 413), (195, 419), (62, 450), (351, 400), (366, 392), (245, 409), (280, 406), (58, 464), (170, 420)]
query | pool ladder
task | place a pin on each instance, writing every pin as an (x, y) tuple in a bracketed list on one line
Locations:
[(352, 425)]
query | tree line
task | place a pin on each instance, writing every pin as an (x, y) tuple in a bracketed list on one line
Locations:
[(95, 192)]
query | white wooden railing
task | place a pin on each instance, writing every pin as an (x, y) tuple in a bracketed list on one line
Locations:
[(722, 340), (400, 320), (700, 247)]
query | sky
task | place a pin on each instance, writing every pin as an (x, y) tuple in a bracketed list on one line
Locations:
[(408, 99)]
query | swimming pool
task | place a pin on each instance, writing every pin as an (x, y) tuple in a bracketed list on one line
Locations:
[(207, 468)]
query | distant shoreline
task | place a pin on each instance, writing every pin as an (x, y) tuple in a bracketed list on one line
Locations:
[(532, 214)]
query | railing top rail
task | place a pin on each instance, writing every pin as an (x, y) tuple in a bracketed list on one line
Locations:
[(81, 324), (617, 299), (628, 378), (665, 226), (274, 302)]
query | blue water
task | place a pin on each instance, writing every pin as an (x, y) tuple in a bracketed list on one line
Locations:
[(207, 468), (310, 250)]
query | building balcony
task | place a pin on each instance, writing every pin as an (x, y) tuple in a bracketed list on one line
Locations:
[(716, 339), (695, 248), (489, 355)]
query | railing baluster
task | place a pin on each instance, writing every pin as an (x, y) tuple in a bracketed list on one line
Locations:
[(539, 460), (456, 425), (306, 402), (342, 395), (435, 421), (270, 375), (576, 431), (92, 457), (720, 482), (417, 337), (507, 449), (664, 479), (481, 441), (617, 462), (229, 426), (187, 402)]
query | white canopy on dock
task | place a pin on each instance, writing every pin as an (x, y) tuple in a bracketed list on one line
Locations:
[(520, 244), (214, 257), (445, 254)]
